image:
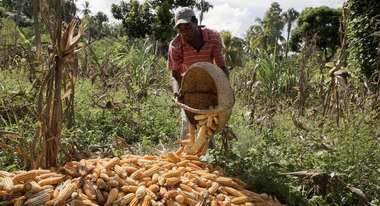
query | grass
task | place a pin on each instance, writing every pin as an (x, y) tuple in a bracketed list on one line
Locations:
[(274, 145)]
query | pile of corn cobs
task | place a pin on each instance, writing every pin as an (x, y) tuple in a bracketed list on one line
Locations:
[(170, 179)]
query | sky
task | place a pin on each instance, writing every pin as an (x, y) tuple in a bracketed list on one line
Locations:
[(230, 15)]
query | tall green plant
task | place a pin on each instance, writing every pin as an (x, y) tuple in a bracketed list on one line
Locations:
[(141, 69), (361, 41)]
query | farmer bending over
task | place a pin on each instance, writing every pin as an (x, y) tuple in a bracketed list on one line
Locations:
[(193, 44)]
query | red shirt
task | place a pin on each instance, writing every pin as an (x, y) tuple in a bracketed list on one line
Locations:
[(182, 55)]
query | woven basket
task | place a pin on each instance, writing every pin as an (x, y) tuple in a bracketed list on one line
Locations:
[(206, 89)]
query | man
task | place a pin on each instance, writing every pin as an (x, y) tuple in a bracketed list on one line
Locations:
[(193, 44)]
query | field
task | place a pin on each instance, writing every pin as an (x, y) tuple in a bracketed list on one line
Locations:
[(305, 127)]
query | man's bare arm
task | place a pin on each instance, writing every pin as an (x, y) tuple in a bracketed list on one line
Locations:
[(176, 82)]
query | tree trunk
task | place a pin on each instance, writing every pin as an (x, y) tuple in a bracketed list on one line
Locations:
[(287, 40), (37, 39)]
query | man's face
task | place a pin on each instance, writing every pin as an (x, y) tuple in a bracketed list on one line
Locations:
[(187, 31)]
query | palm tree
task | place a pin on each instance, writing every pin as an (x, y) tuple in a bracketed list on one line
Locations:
[(256, 36), (202, 6), (86, 8), (289, 17), (233, 49)]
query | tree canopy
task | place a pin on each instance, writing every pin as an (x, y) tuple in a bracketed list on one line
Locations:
[(319, 24), (153, 17)]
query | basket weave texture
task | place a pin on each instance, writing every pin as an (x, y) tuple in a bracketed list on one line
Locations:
[(207, 89)]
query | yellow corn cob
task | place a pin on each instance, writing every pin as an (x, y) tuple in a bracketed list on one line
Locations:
[(168, 165), (50, 181), (232, 191), (104, 176), (130, 181), (112, 163), (134, 202), (226, 203), (201, 137), (209, 121), (23, 177), (180, 198), (190, 201), (186, 187), (125, 199), (179, 151), (171, 181), (47, 175), (82, 167), (183, 163), (174, 173), (192, 195), (129, 188), (227, 182), (140, 192), (5, 174), (151, 171), (113, 183), (203, 182), (198, 189), (39, 198), (119, 179), (128, 161), (138, 174), (130, 169), (194, 166), (240, 200), (89, 190), (65, 193), (84, 202), (154, 188), (152, 194), (155, 178), (243, 184), (214, 187), (170, 194), (18, 188), (190, 157), (172, 157), (150, 157), (185, 142), (220, 197), (200, 117), (120, 171), (161, 180), (210, 176), (162, 191), (112, 196), (147, 201), (7, 183), (32, 186), (19, 201)]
